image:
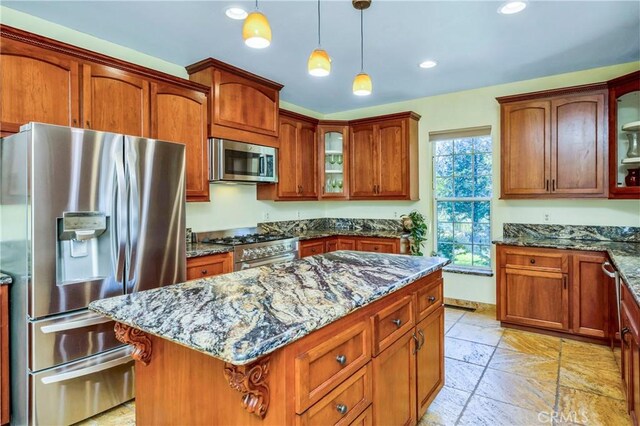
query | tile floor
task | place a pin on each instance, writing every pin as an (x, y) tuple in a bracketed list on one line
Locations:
[(496, 376)]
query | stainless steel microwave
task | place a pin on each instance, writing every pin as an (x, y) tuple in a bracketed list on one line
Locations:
[(241, 162)]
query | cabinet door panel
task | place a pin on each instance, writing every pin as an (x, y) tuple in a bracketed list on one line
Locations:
[(180, 115), (346, 244), (37, 85), (364, 167), (578, 151), (590, 296), (378, 245), (115, 101), (306, 154), (287, 179), (394, 385), (526, 144), (430, 359), (311, 248), (393, 159), (626, 358), (535, 298), (209, 266)]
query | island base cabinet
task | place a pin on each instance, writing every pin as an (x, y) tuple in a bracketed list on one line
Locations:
[(430, 359), (394, 385)]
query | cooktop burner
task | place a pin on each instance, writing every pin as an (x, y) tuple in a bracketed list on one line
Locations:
[(246, 239)]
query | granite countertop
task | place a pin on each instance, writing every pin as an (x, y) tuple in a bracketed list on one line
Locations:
[(204, 249), (310, 235), (625, 256), (5, 279), (241, 316)]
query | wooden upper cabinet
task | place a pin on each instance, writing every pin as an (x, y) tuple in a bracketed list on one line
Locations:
[(384, 157), (244, 106), (37, 85), (180, 115), (526, 144), (297, 160), (333, 160), (115, 101), (553, 144)]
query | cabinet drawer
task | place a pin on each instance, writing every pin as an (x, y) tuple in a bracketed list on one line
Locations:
[(324, 366), (429, 299), (364, 419), (536, 259), (344, 404), (391, 323), (310, 248), (209, 266), (377, 246)]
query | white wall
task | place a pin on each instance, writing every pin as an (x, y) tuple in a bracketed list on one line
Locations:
[(236, 206)]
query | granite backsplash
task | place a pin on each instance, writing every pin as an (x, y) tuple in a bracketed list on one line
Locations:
[(303, 225), (629, 234)]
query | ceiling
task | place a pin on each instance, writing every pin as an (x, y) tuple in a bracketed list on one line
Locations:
[(473, 44)]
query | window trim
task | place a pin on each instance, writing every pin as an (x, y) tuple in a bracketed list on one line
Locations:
[(454, 135)]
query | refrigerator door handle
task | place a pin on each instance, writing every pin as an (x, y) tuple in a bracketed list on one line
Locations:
[(86, 371), (119, 231), (133, 213)]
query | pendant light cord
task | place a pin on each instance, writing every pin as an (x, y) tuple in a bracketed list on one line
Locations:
[(256, 4), (319, 43), (361, 42)]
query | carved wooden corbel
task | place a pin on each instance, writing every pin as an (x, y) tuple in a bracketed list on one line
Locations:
[(251, 381), (136, 338)]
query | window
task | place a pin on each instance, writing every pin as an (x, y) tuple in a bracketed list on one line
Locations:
[(462, 191)]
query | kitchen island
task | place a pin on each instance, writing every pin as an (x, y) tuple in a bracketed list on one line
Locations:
[(341, 338)]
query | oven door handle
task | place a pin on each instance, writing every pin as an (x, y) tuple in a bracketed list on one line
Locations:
[(284, 258)]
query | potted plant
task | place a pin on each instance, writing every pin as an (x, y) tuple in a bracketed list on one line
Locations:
[(415, 224)]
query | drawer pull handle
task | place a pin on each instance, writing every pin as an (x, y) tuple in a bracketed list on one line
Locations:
[(432, 299), (342, 409), (342, 360), (376, 248), (204, 272), (532, 261), (623, 333), (397, 322), (422, 339)]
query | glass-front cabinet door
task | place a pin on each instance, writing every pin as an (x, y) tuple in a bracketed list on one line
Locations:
[(624, 136), (333, 164)]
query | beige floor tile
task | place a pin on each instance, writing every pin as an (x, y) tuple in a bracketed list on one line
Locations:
[(453, 314), (588, 354), (461, 375), (617, 354), (464, 350), (445, 409), (602, 382), (542, 368), (531, 343), (121, 415), (591, 409), (475, 333), (487, 412), (517, 390), (448, 324), (483, 319)]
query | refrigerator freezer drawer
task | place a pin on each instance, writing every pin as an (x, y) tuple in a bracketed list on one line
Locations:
[(74, 392), (69, 337)]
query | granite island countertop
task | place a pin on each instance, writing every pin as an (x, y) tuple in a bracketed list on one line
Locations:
[(241, 316), (5, 279), (205, 249), (624, 256)]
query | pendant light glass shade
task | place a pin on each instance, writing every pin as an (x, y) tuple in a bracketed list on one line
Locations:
[(362, 84), (256, 31), (319, 64)]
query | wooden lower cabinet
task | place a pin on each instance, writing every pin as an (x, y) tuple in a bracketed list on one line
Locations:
[(630, 354), (394, 383), (364, 419), (209, 266), (4, 355), (378, 245), (312, 247), (430, 359), (590, 316), (329, 244), (346, 244)]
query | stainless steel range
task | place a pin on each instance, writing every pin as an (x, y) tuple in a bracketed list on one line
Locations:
[(252, 248)]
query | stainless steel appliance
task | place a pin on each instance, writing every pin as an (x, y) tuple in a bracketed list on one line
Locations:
[(252, 248), (85, 215), (616, 282), (241, 162)]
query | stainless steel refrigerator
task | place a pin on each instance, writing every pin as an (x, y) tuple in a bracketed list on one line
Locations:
[(84, 215)]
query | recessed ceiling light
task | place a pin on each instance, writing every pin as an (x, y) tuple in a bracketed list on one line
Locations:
[(236, 13), (428, 64), (512, 6)]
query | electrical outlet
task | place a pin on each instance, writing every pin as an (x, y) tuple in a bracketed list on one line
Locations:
[(265, 216), (298, 214), (546, 217), (395, 215)]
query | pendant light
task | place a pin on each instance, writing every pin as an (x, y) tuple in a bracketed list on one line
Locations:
[(362, 84), (256, 30), (319, 64)]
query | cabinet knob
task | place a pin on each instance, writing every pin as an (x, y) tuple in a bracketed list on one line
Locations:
[(397, 322), (204, 272), (88, 124), (532, 261), (432, 299), (623, 333), (376, 248), (342, 409), (342, 360), (75, 122)]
